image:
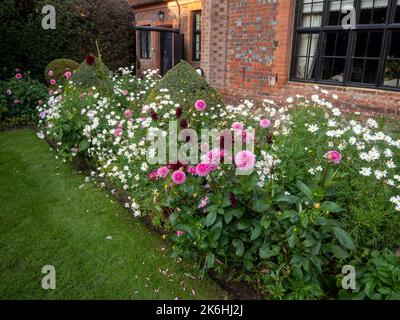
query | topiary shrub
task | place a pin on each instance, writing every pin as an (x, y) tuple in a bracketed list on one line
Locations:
[(186, 86), (59, 67), (92, 72)]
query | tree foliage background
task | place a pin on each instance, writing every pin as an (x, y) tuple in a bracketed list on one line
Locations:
[(24, 44)]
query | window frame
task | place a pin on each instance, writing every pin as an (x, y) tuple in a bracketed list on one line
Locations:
[(146, 50), (196, 32), (388, 27)]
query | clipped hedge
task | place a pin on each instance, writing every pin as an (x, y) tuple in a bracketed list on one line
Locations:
[(59, 66), (186, 86)]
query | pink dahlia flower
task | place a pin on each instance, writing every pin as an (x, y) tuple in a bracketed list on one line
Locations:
[(18, 76), (245, 160), (200, 105), (9, 92), (162, 172), (52, 82), (153, 175), (212, 157), (179, 177), (237, 126), (117, 132), (191, 170), (50, 73), (179, 233), (203, 169), (333, 157), (128, 114), (265, 123), (68, 75)]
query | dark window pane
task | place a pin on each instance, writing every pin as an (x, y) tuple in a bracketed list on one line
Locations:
[(397, 17), (333, 69), (364, 70), (336, 43), (361, 43), (375, 44), (394, 51), (392, 65), (311, 13), (357, 70), (371, 71), (373, 11), (368, 44), (335, 11)]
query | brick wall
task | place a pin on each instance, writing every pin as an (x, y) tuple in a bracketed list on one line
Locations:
[(247, 44)]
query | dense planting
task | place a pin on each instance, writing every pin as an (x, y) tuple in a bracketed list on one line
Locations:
[(18, 99), (319, 190)]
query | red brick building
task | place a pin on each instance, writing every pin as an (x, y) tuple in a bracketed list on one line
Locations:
[(262, 48)]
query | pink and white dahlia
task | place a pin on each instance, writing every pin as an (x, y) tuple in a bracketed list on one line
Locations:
[(265, 123), (203, 203), (237, 126), (333, 156), (162, 172), (245, 160)]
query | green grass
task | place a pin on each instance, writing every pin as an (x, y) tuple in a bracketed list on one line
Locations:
[(50, 216)]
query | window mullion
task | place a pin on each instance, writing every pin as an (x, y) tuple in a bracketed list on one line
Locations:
[(321, 41)]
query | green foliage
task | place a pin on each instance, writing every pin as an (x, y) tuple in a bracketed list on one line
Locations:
[(186, 86), (59, 67), (288, 243), (368, 216), (79, 23), (378, 277), (87, 76), (18, 100)]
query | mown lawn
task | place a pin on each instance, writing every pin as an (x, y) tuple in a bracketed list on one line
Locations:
[(50, 216)]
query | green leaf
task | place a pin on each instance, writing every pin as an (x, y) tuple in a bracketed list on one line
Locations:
[(211, 217), (243, 224), (289, 199), (265, 222), (210, 259), (339, 252), (228, 216), (236, 212), (266, 252), (172, 218), (239, 246), (255, 233), (304, 189), (83, 145), (344, 238), (331, 206), (260, 205)]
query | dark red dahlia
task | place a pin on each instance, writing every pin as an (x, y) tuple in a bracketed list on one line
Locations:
[(270, 139), (184, 124), (90, 59), (233, 200), (153, 115), (179, 112)]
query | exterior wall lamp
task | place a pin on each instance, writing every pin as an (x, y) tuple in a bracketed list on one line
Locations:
[(161, 15)]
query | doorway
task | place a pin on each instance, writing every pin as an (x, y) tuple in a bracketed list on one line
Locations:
[(165, 52)]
